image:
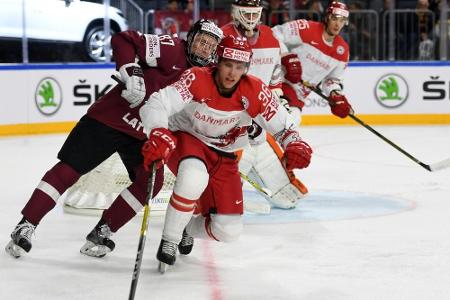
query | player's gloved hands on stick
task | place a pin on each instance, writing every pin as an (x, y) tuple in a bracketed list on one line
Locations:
[(158, 148), (339, 105), (293, 67), (133, 78), (297, 155)]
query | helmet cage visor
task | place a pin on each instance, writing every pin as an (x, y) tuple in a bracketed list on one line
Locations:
[(247, 16), (202, 43), (202, 49)]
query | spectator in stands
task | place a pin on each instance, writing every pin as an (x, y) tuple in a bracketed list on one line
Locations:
[(426, 47), (172, 6), (359, 35), (275, 12), (189, 9), (315, 10), (301, 4)]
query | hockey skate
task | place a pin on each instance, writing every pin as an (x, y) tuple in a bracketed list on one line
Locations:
[(186, 244), (167, 254), (98, 242), (20, 239)]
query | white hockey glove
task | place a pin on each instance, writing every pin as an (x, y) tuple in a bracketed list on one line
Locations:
[(133, 77), (285, 102)]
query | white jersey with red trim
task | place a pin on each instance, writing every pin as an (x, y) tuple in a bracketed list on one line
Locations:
[(266, 59), (321, 61), (194, 105)]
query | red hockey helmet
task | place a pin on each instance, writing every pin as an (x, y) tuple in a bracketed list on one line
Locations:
[(235, 48), (338, 9)]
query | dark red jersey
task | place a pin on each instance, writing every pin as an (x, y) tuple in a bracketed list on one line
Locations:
[(162, 59)]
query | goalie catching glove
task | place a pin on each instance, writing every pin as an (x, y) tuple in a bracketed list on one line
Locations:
[(339, 105), (133, 78), (293, 67), (297, 155), (158, 148)]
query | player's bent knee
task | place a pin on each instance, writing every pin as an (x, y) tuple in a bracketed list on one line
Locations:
[(226, 228), (192, 178)]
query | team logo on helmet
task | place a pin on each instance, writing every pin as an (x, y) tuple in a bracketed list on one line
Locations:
[(236, 54), (235, 48)]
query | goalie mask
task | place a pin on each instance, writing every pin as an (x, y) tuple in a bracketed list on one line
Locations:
[(246, 13), (202, 41)]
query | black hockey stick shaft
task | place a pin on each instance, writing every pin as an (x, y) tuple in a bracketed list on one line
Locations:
[(117, 79), (143, 234), (359, 121)]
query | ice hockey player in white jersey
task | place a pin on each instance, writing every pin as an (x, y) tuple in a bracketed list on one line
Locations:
[(261, 161), (208, 111), (318, 56)]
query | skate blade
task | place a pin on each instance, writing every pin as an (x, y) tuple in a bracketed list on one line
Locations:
[(14, 250), (93, 250), (162, 267)]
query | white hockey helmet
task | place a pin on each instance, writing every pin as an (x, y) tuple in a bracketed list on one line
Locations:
[(246, 13)]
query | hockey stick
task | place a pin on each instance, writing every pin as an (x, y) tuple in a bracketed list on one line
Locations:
[(117, 79), (256, 185), (143, 235), (429, 167)]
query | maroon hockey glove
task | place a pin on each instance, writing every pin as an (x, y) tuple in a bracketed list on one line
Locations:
[(297, 155), (158, 148), (339, 105), (293, 67)]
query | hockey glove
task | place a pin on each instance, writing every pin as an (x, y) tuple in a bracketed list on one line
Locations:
[(285, 102), (297, 155), (339, 105), (133, 78), (158, 148), (293, 67)]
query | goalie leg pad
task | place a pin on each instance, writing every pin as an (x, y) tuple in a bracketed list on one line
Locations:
[(287, 197), (286, 189)]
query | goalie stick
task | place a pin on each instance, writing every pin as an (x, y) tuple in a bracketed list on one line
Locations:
[(143, 235), (256, 185), (429, 167)]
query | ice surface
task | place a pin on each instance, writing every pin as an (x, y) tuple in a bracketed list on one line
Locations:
[(376, 226)]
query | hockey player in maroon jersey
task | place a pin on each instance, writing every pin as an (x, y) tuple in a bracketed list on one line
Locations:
[(318, 55), (209, 125), (146, 63), (261, 160)]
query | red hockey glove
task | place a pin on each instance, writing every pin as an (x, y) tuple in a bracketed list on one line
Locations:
[(297, 155), (293, 67), (339, 105), (158, 148)]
